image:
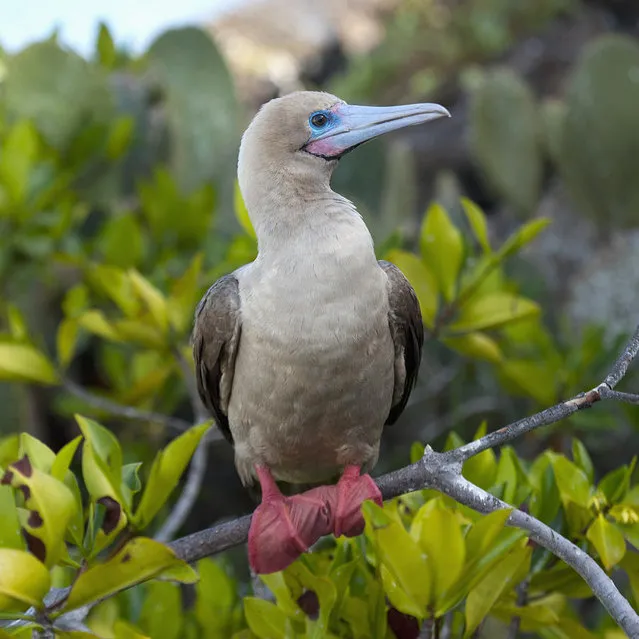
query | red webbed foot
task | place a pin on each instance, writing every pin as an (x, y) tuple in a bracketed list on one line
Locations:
[(352, 490), (282, 528)]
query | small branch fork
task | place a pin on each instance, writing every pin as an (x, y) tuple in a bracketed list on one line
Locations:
[(443, 472)]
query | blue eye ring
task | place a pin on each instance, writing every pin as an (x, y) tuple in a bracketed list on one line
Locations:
[(319, 119)]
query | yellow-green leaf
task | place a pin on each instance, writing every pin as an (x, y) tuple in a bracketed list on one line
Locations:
[(49, 507), (105, 445), (400, 553), (119, 137), (215, 597), (23, 580), (265, 619), (421, 279), (40, 455), (439, 534), (492, 311), (139, 560), (117, 285), (24, 363), (18, 155), (477, 221), (17, 324), (398, 597), (152, 297), (442, 249), (476, 345), (607, 540), (66, 340), (572, 482), (241, 212), (500, 578), (161, 614), (168, 466), (484, 532), (10, 536), (64, 458), (184, 292), (95, 322)]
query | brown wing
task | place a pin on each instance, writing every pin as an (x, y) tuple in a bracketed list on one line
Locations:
[(216, 338), (407, 329)]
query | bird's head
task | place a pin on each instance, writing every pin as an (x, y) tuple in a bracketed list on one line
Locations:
[(297, 139)]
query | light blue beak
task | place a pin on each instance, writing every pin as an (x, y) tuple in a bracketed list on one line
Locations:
[(351, 125)]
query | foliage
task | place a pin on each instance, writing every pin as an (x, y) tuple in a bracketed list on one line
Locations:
[(422, 556)]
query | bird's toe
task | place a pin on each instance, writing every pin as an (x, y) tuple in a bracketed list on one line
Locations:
[(353, 490)]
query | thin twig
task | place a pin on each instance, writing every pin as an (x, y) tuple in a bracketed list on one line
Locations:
[(120, 410), (187, 499), (522, 600), (184, 505)]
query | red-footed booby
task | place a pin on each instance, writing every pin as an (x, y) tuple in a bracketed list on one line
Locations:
[(303, 355)]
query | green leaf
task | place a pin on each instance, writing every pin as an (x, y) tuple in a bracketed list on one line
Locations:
[(607, 540), (533, 378), (400, 553), (421, 279), (117, 285), (152, 297), (442, 249), (17, 324), (121, 241), (184, 294), (63, 459), (141, 559), (24, 363), (50, 505), (161, 614), (168, 466), (484, 532), (398, 597), (106, 447), (439, 534), (105, 47), (19, 153), (120, 137), (66, 340), (477, 221), (40, 455), (24, 581), (10, 536), (265, 619), (500, 578), (572, 482), (481, 469), (582, 459), (615, 484), (493, 311), (630, 563), (215, 598), (241, 212), (475, 345), (95, 322)]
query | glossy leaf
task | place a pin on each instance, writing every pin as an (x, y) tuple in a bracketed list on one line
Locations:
[(476, 345), (24, 363), (477, 221), (23, 580), (483, 533), (168, 466), (400, 553), (421, 279), (265, 619), (10, 536), (49, 508), (572, 482), (137, 561), (63, 459), (442, 249), (161, 614), (438, 532), (607, 540), (215, 597), (500, 579), (492, 311), (152, 298)]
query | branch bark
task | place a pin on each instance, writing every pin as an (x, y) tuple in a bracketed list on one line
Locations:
[(443, 472)]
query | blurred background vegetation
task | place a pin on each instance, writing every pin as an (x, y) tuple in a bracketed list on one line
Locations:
[(118, 207)]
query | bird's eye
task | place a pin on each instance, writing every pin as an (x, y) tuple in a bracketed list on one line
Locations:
[(319, 120)]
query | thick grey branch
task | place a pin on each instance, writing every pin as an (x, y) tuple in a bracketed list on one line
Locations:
[(442, 471)]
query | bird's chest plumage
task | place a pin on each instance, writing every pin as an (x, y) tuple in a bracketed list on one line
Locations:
[(314, 375)]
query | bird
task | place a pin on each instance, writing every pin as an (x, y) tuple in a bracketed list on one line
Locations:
[(305, 354)]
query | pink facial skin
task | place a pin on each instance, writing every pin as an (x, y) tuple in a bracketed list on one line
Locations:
[(326, 148)]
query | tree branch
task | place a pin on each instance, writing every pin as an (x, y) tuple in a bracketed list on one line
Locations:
[(120, 410), (443, 472)]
